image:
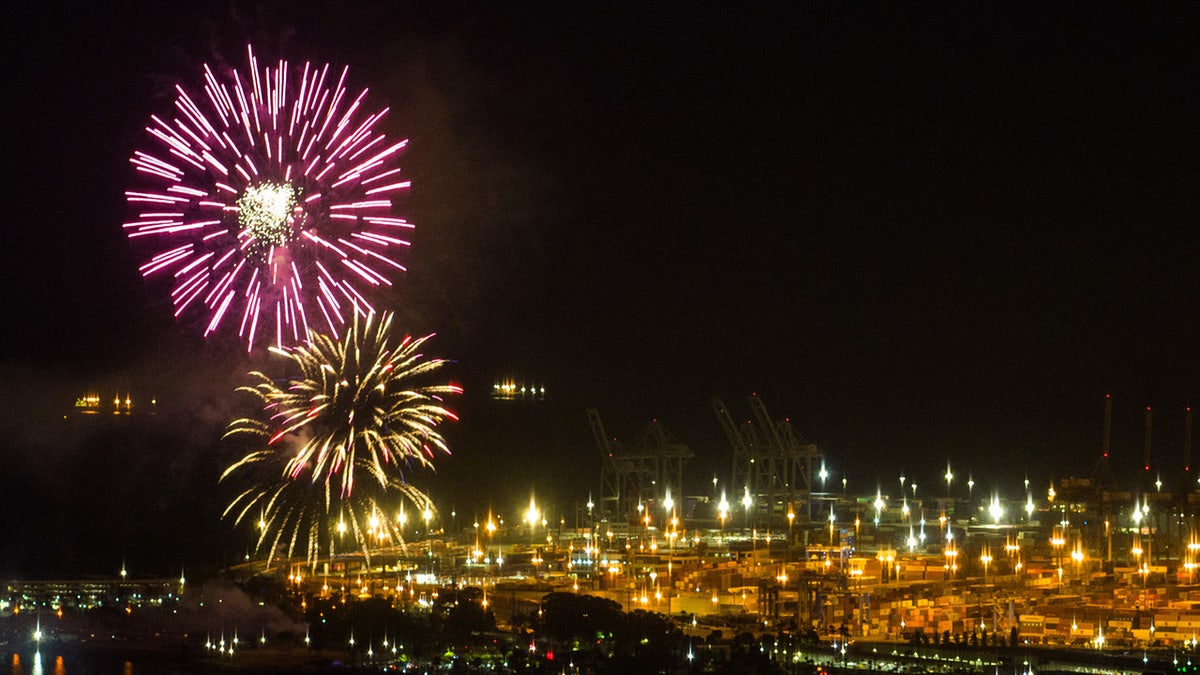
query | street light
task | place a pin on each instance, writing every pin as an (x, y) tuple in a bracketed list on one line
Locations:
[(996, 509)]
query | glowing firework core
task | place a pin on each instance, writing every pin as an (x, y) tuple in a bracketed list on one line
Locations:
[(265, 212)]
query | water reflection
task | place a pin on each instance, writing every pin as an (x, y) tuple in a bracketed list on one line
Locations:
[(36, 664), (31, 666)]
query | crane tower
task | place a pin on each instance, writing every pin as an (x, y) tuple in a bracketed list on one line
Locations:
[(772, 463), (645, 474)]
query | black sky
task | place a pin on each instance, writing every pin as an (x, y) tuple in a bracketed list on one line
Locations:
[(929, 233)]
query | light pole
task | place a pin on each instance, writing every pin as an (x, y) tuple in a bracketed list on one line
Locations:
[(491, 532), (591, 538), (951, 552), (1149, 533), (832, 518), (1013, 549), (1136, 551), (428, 516), (747, 502), (669, 517), (1057, 541), (1193, 547), (791, 516), (532, 516), (723, 513)]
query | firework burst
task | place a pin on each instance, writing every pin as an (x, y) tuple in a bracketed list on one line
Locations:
[(355, 408), (268, 199)]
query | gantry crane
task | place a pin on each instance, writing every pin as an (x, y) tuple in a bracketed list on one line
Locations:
[(772, 463), (646, 474), (610, 450)]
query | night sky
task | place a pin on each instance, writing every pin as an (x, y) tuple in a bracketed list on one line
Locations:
[(930, 234)]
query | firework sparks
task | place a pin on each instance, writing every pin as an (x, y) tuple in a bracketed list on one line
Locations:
[(354, 408), (269, 200), (298, 518)]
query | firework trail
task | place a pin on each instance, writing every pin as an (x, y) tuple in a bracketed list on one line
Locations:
[(296, 517), (268, 198), (355, 408)]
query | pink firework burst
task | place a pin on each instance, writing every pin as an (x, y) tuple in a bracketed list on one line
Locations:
[(268, 199)]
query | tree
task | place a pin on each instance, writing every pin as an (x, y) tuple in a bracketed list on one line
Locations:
[(568, 616), (465, 623)]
